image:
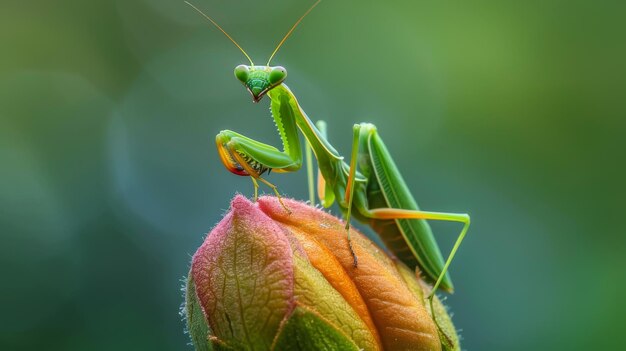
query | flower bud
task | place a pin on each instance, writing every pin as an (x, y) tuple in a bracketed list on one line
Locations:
[(267, 279)]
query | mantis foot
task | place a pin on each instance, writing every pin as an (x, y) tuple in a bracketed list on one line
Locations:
[(275, 189)]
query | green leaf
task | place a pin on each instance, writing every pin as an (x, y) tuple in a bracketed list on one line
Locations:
[(305, 330), (447, 333), (312, 290), (196, 324)]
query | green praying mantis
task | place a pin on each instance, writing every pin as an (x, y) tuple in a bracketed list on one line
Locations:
[(369, 188)]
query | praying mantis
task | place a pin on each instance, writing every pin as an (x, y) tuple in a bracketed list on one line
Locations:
[(370, 188)]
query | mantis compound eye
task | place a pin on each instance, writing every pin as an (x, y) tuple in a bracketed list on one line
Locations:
[(242, 72), (277, 75)]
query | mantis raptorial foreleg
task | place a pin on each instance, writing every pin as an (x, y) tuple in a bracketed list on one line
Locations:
[(245, 156), (257, 157)]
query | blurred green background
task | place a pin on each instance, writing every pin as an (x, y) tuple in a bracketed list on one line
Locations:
[(513, 111)]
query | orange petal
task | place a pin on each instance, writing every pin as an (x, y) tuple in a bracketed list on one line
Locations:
[(401, 319), (324, 261)]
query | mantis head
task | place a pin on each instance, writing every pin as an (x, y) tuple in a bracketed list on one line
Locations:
[(260, 79)]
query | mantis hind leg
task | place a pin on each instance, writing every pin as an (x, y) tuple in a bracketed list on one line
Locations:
[(401, 207), (394, 213)]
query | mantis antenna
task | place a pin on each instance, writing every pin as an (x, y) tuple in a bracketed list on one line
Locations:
[(223, 31), (291, 31)]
